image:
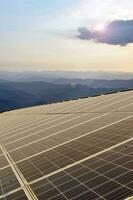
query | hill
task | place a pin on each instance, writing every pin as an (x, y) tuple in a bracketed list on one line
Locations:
[(15, 95)]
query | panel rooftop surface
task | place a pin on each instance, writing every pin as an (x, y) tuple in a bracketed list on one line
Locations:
[(75, 150)]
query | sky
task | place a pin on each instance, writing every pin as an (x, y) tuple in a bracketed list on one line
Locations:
[(77, 35)]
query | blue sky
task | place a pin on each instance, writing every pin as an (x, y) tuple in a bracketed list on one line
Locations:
[(18, 13), (42, 34)]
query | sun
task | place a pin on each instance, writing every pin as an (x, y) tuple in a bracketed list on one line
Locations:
[(99, 27)]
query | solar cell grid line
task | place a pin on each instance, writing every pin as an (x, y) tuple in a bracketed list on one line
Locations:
[(0, 150), (48, 127), (5, 167), (4, 116), (66, 105), (25, 110), (68, 122), (2, 189), (95, 194), (27, 121), (78, 188), (116, 105), (8, 125), (43, 162), (10, 120), (91, 108), (87, 99), (81, 104), (121, 163), (56, 106), (13, 128), (118, 176), (27, 150), (67, 140), (100, 97), (90, 120), (59, 180), (57, 119), (24, 127), (49, 131), (51, 106), (63, 108), (16, 195), (18, 118), (127, 108), (113, 97), (102, 100), (60, 192), (76, 185), (36, 108), (53, 131), (33, 119), (3, 161), (59, 161), (19, 176), (80, 161), (96, 107), (8, 181), (4, 196), (43, 122), (112, 170), (78, 103)]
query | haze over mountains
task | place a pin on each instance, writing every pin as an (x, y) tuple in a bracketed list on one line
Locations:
[(24, 89), (53, 75)]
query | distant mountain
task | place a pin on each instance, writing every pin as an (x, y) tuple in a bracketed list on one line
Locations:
[(50, 76), (15, 95), (24, 89), (11, 98), (127, 84)]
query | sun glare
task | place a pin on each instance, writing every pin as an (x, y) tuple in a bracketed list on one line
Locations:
[(99, 27)]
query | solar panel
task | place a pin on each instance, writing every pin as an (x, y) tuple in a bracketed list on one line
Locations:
[(18, 195), (3, 161), (80, 149), (105, 176), (8, 181)]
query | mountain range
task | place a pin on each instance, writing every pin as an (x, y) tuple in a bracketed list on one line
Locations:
[(20, 90), (49, 76)]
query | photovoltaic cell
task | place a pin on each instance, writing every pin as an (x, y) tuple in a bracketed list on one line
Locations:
[(18, 195), (74, 150), (95, 178), (50, 142), (3, 161), (59, 157), (8, 181)]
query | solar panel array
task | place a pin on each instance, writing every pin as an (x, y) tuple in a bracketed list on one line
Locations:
[(74, 150)]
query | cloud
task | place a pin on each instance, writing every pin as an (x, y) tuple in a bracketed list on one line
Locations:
[(118, 32)]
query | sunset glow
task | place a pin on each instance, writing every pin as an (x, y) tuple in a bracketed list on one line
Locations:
[(45, 35)]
